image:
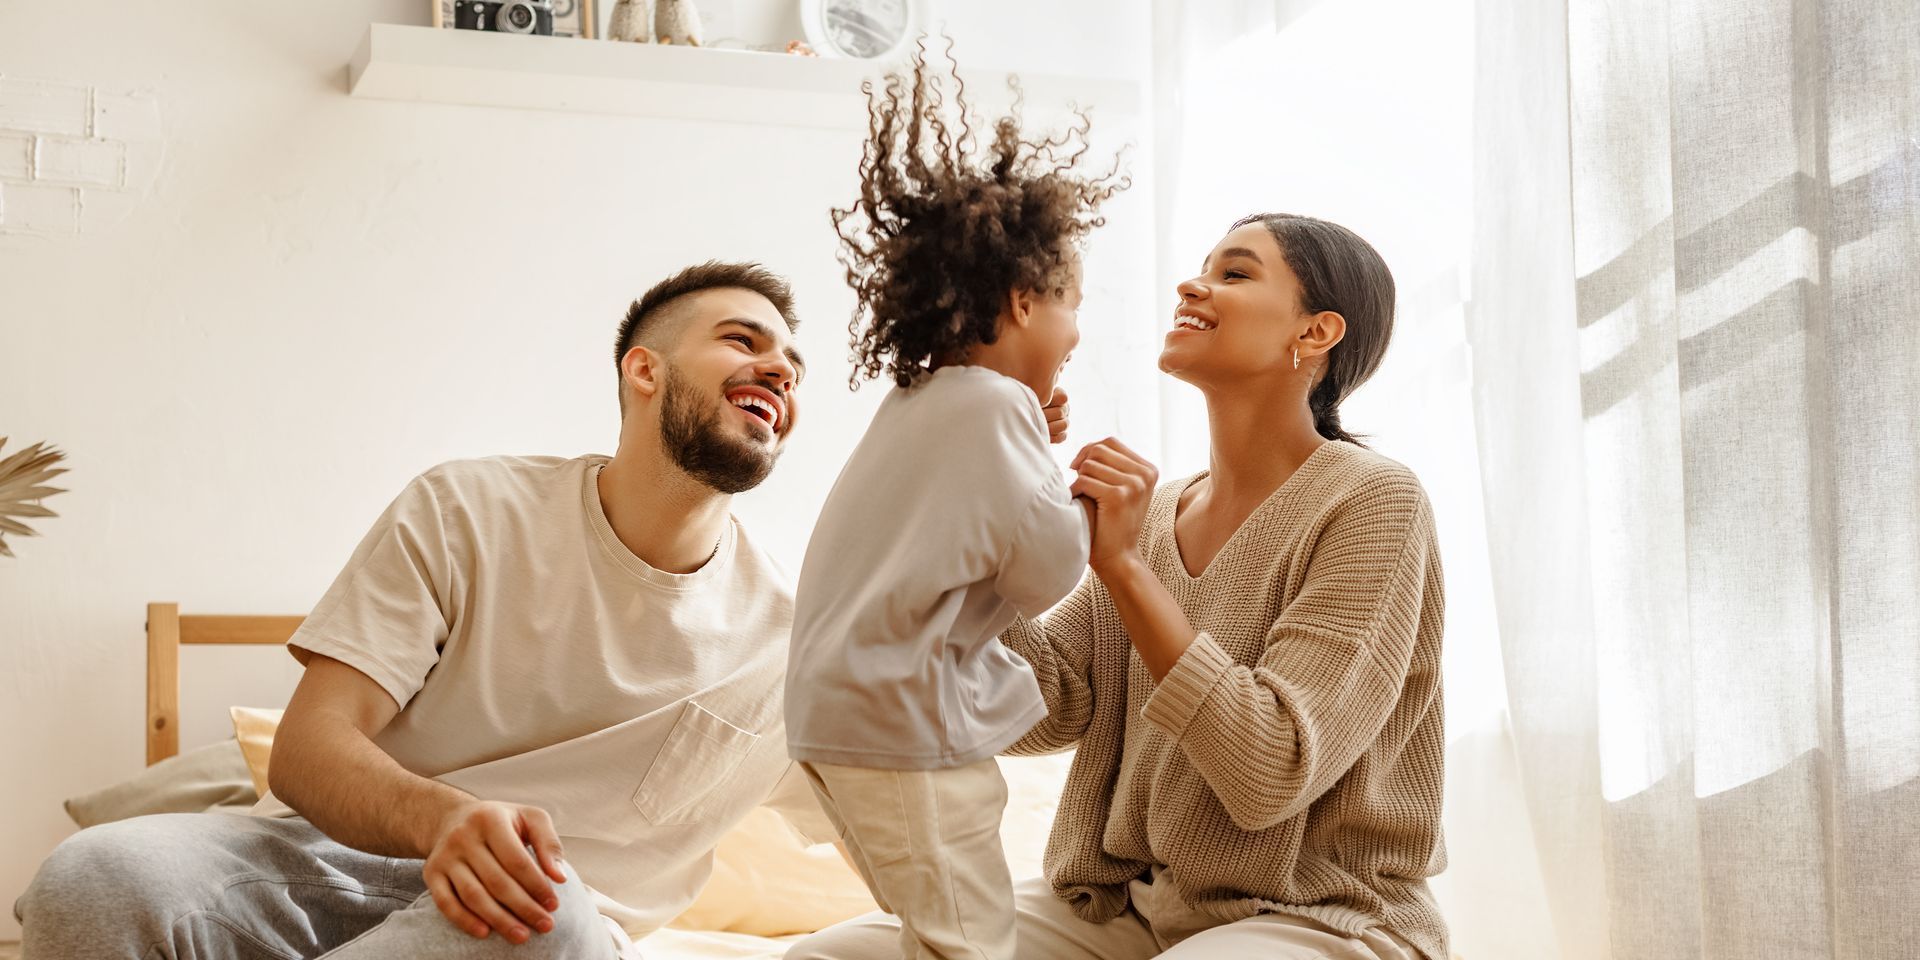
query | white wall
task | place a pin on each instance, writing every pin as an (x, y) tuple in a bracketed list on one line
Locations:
[(300, 299)]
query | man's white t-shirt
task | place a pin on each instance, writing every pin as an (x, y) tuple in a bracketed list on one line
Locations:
[(536, 660)]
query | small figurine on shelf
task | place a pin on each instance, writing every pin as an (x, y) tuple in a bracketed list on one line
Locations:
[(676, 21), (628, 21), (800, 48)]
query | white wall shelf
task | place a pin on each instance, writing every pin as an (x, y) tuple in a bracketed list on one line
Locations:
[(425, 64)]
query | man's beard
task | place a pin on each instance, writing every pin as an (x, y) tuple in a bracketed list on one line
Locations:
[(701, 444)]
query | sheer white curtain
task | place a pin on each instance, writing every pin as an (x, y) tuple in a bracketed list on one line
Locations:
[(1697, 343), (1658, 363)]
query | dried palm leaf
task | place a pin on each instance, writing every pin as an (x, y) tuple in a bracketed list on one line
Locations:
[(23, 484)]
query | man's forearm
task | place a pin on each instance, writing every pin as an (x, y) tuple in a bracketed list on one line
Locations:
[(332, 774)]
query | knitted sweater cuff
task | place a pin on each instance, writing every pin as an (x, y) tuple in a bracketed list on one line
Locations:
[(1185, 687)]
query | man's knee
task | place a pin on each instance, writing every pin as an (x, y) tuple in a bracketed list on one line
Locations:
[(577, 919), (421, 930), (578, 929), (143, 866), (90, 865)]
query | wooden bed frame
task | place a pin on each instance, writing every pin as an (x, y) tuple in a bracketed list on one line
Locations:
[(166, 631)]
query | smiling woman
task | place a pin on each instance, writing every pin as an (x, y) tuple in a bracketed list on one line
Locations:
[(1285, 606)]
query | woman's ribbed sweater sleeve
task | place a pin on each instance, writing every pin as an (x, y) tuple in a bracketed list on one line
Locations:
[(1059, 647)]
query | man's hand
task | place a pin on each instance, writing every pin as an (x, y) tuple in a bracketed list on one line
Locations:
[(1056, 411), (327, 767), (482, 876), (1120, 483)]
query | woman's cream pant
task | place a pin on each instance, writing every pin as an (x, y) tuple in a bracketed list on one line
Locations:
[(1047, 929)]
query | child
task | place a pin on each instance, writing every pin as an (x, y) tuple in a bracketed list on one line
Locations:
[(950, 517)]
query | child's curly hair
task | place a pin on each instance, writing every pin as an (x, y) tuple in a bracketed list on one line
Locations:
[(940, 235)]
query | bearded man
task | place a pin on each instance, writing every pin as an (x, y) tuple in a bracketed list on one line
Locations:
[(534, 700)]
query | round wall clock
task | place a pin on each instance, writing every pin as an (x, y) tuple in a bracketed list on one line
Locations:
[(862, 29)]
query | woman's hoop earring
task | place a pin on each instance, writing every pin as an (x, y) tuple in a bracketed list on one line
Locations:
[(1296, 358)]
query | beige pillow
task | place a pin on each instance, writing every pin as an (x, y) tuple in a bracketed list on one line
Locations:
[(759, 868), (254, 727), (213, 777), (763, 861)]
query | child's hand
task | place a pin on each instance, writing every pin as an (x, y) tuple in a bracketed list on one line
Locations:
[(1120, 483), (1056, 411)]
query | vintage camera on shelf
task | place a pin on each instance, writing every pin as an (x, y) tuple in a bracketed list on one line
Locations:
[(505, 16)]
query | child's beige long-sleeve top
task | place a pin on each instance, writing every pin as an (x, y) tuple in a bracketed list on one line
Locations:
[(949, 520), (1291, 761)]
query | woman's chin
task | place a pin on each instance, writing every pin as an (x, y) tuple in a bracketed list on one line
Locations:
[(1174, 362)]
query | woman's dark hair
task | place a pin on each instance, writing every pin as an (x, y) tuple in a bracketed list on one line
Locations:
[(1340, 272), (945, 227)]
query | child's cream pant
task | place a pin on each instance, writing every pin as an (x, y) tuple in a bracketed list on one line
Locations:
[(927, 842)]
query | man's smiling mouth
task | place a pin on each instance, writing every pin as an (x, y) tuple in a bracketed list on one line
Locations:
[(759, 403)]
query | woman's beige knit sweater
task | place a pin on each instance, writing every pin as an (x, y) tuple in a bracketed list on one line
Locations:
[(1291, 760)]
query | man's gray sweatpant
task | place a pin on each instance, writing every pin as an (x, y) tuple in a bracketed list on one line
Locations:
[(196, 886)]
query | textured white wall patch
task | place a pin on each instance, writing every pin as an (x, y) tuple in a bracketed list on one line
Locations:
[(72, 157)]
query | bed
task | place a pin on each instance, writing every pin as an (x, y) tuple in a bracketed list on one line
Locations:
[(748, 911)]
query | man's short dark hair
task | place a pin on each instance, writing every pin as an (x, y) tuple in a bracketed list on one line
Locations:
[(644, 315)]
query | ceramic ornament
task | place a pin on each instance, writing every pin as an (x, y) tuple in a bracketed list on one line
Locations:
[(628, 22), (676, 21)]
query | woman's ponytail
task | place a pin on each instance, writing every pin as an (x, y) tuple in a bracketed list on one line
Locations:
[(1324, 401)]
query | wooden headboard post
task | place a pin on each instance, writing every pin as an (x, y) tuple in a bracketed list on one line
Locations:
[(166, 631), (163, 681)]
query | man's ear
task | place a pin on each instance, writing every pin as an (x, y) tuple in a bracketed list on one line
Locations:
[(642, 371)]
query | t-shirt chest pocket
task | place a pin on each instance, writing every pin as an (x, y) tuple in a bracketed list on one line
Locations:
[(700, 753)]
